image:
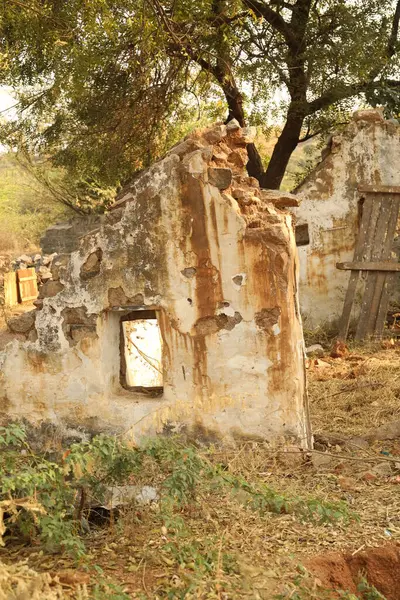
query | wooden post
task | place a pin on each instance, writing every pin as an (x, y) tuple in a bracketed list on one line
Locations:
[(373, 254), (10, 289)]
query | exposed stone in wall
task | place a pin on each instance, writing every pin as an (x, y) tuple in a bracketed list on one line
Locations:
[(91, 267), (60, 263), (64, 237), (365, 153), (117, 297), (23, 323), (195, 239), (50, 289), (77, 324), (268, 318)]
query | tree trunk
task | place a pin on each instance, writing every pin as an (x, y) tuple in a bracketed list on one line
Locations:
[(255, 167), (284, 148), (296, 41)]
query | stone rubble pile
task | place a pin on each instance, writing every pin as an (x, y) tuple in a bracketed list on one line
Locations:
[(42, 264)]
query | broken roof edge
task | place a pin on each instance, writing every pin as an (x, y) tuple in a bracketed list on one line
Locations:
[(223, 147), (358, 121), (223, 152)]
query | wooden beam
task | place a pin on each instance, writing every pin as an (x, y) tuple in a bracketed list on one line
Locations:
[(132, 307), (379, 189), (369, 266)]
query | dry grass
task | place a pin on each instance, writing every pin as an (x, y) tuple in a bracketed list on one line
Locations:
[(19, 582), (13, 244), (354, 394), (349, 396)]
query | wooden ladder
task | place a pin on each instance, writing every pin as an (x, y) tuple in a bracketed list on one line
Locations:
[(373, 254)]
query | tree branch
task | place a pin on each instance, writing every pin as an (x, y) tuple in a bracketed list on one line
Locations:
[(341, 93), (281, 4), (264, 54), (334, 95), (35, 10), (273, 18), (224, 20), (311, 134), (299, 21)]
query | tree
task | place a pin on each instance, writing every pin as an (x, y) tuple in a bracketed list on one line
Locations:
[(95, 90), (104, 84), (324, 52)]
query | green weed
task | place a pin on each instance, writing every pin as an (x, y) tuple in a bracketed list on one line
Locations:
[(302, 588), (49, 501), (108, 591)]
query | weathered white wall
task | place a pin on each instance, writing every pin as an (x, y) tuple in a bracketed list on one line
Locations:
[(366, 152), (219, 264)]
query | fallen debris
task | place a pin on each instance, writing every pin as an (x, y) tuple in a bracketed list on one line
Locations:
[(122, 495), (316, 350)]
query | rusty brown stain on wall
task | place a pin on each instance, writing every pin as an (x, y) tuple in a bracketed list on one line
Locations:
[(208, 278), (167, 246)]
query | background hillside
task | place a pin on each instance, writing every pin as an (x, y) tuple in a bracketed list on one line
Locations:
[(26, 208)]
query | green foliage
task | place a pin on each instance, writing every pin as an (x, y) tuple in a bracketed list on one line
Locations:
[(369, 592), (187, 471), (108, 591), (104, 87), (302, 588), (48, 500), (13, 435), (183, 466), (306, 159), (41, 497), (264, 499), (97, 92)]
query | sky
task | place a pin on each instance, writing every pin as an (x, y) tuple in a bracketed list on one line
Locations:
[(6, 100)]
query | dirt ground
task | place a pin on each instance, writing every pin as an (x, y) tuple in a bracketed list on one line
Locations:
[(355, 409)]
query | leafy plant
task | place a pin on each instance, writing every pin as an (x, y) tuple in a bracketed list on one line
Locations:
[(45, 498), (369, 592), (262, 498), (49, 501), (105, 590), (302, 588)]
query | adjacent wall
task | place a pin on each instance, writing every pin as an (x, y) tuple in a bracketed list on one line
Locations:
[(196, 240), (366, 152)]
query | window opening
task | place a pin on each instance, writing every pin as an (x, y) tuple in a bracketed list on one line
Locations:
[(141, 352), (302, 235)]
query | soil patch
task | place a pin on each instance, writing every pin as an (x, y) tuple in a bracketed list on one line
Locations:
[(379, 566)]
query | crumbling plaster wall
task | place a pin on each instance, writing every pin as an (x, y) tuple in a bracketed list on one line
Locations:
[(195, 239), (366, 152)]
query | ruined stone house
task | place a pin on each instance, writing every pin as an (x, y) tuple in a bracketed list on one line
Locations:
[(178, 313), (366, 152)]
